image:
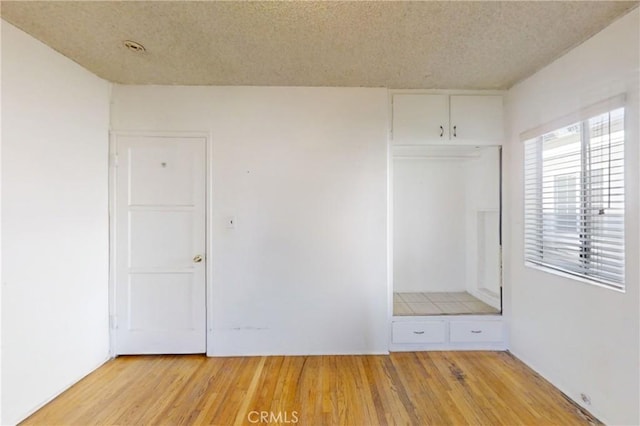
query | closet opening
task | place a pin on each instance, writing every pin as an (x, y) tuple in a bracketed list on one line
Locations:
[(446, 230)]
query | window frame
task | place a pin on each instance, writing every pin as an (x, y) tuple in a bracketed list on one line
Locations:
[(533, 162)]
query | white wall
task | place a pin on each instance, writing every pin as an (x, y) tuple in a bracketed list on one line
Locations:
[(583, 338), (303, 170), (54, 223), (482, 218), (429, 240)]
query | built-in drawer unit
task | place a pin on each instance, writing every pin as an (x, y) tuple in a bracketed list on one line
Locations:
[(448, 332), (418, 332), (476, 331)]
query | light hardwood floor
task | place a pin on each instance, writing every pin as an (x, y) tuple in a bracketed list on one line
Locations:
[(417, 388)]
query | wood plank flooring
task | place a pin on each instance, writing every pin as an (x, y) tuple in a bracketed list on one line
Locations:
[(416, 388)]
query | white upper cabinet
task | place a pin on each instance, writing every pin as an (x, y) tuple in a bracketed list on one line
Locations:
[(477, 118), (427, 119), (420, 118)]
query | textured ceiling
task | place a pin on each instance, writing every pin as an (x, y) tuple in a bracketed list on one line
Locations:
[(462, 45)]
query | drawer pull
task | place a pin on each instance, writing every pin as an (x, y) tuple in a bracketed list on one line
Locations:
[(476, 331), (418, 332)]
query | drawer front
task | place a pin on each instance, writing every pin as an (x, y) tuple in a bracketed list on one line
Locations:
[(418, 332), (475, 331)]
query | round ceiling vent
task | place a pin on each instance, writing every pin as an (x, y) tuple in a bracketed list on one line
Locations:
[(134, 46)]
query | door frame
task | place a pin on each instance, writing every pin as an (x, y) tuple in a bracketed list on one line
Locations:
[(113, 162)]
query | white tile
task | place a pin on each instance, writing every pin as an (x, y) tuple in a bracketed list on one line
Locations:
[(413, 297), (463, 297), (401, 308), (428, 308), (453, 308), (441, 297), (480, 307)]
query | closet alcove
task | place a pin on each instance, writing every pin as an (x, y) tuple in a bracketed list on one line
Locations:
[(446, 230)]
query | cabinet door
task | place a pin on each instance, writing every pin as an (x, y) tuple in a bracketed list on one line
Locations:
[(420, 119), (477, 119)]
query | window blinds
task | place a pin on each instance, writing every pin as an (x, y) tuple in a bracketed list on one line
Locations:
[(574, 199)]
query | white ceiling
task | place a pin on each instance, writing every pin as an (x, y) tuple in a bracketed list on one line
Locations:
[(430, 45)]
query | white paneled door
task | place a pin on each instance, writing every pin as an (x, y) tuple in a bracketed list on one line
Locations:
[(160, 245)]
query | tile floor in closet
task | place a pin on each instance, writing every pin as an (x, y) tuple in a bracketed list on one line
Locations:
[(439, 304)]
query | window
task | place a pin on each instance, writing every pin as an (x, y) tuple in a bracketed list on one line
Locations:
[(565, 190), (574, 199)]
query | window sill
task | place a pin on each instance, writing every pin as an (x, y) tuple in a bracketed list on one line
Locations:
[(572, 277)]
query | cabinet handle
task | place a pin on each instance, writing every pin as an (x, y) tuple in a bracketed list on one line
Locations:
[(454, 132), (476, 331), (441, 131), (418, 332)]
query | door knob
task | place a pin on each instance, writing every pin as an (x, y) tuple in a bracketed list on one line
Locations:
[(197, 258)]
